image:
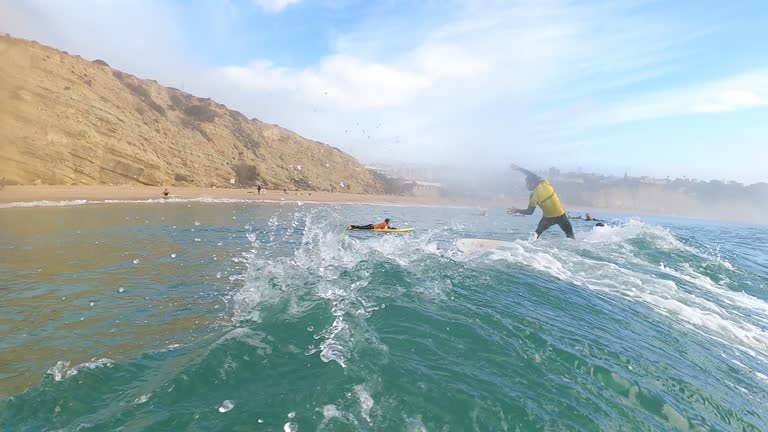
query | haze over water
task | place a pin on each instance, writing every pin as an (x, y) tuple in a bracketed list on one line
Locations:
[(236, 316)]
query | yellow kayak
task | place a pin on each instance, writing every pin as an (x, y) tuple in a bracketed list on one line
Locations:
[(385, 230)]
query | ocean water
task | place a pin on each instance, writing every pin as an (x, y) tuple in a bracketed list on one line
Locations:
[(194, 316)]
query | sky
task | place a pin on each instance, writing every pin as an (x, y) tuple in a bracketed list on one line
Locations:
[(654, 88)]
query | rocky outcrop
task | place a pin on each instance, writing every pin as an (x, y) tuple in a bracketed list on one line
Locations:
[(66, 120)]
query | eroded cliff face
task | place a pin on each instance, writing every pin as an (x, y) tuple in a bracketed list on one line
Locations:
[(66, 120)]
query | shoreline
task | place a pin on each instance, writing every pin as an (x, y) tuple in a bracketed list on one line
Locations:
[(27, 196), (46, 195)]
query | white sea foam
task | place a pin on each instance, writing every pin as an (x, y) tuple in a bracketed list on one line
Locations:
[(330, 411), (62, 371), (325, 260), (753, 305), (365, 400), (714, 316), (141, 399), (415, 425), (633, 228)]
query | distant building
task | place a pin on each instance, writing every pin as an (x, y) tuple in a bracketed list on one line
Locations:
[(423, 188)]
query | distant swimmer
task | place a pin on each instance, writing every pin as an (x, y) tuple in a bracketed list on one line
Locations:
[(589, 218), (543, 195), (575, 217), (378, 226)]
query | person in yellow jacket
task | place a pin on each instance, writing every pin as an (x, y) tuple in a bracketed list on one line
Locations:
[(543, 195)]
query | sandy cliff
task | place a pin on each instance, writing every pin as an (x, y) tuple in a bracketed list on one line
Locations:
[(66, 120)]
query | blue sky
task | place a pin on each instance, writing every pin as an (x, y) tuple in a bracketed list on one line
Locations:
[(650, 87)]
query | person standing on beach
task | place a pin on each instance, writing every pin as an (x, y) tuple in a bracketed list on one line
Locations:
[(166, 193), (543, 195), (258, 189)]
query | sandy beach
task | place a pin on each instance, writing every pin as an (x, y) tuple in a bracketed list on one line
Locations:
[(27, 194)]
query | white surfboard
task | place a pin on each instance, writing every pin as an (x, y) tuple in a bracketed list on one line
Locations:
[(473, 244)]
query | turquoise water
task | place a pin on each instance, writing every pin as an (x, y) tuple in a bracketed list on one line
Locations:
[(250, 317)]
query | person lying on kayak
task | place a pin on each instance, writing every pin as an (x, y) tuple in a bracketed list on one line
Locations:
[(544, 196), (378, 226)]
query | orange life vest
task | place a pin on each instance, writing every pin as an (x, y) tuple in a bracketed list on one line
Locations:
[(382, 225)]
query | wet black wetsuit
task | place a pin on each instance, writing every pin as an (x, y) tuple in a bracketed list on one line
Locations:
[(362, 227), (561, 221)]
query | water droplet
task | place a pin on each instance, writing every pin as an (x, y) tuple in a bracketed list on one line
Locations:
[(218, 275), (173, 255), (261, 420), (197, 239), (136, 261), (197, 223), (63, 298), (120, 290), (82, 318), (92, 304), (292, 414), (310, 328), (290, 427), (226, 406)]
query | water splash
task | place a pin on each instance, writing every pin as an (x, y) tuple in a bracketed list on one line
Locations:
[(61, 370)]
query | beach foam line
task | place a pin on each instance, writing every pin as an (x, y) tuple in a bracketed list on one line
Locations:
[(66, 203), (27, 204), (23, 204)]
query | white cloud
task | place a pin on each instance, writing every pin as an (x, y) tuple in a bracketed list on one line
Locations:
[(730, 101), (739, 92), (348, 83), (274, 6)]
